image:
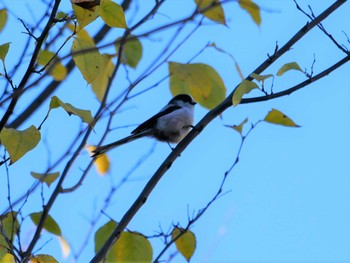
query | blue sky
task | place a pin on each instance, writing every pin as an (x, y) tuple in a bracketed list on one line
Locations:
[(288, 198)]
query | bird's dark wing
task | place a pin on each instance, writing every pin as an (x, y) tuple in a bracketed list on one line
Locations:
[(153, 120)]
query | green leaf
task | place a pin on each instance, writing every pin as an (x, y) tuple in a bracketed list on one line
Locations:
[(238, 128), (213, 13), (99, 85), (18, 143), (7, 258), (57, 71), (112, 14), (245, 87), (186, 243), (89, 62), (46, 178), (288, 66), (85, 115), (261, 78), (85, 16), (42, 258), (3, 18), (61, 15), (132, 51), (4, 48), (103, 233), (9, 226), (253, 10), (199, 80), (50, 224), (276, 117), (132, 247)]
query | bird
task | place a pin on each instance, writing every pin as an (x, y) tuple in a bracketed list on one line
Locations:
[(171, 124)]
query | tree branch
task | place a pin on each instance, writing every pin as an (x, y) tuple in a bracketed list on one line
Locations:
[(142, 198)]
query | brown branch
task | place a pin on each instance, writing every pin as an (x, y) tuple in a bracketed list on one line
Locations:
[(142, 198), (300, 85)]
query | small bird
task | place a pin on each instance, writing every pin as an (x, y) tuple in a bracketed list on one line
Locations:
[(170, 125)]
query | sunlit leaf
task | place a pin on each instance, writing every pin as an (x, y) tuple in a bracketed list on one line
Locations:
[(50, 224), (186, 243), (261, 78), (58, 71), (245, 87), (85, 115), (253, 10), (132, 51), (85, 16), (215, 13), (199, 80), (3, 18), (132, 247), (288, 66), (42, 258), (101, 162), (276, 117), (7, 258), (46, 178), (65, 248), (4, 48), (90, 61), (238, 128), (18, 143), (99, 85), (112, 14)]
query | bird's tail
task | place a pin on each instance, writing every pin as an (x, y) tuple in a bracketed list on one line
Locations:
[(104, 148)]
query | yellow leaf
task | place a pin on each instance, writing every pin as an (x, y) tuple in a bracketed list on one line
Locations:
[(7, 258), (186, 243), (50, 224), (42, 258), (18, 143), (253, 10), (261, 78), (64, 247), (4, 48), (112, 14), (132, 51), (215, 13), (80, 33), (57, 71), (46, 178), (85, 115), (239, 128), (276, 117), (288, 66), (85, 16), (3, 18), (89, 62), (101, 162), (245, 87), (99, 85), (199, 80)]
